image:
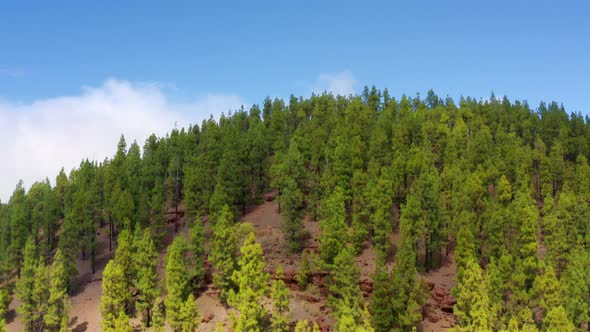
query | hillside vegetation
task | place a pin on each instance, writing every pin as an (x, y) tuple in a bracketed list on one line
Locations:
[(374, 195)]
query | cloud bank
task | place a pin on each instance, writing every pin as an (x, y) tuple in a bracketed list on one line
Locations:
[(38, 138), (341, 83)]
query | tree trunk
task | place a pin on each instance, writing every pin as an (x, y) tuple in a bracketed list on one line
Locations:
[(176, 218), (110, 235), (93, 254)]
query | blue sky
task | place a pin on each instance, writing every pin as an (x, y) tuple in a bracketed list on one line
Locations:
[(76, 74), (531, 50)]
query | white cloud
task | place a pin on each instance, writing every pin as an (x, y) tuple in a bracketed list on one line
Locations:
[(38, 138), (341, 83)]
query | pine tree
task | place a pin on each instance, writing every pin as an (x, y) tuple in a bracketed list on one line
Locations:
[(305, 270), (4, 302), (223, 252), (251, 281), (465, 250), (124, 254), (40, 295), (344, 286), (381, 305), (146, 261), (19, 226), (304, 326), (555, 240), (292, 199), (557, 321), (382, 227), (122, 324), (546, 290), (158, 319), (473, 305), (575, 288), (58, 295), (197, 243), (426, 226), (334, 227), (124, 210), (25, 285), (280, 297), (189, 315), (347, 322), (407, 287), (115, 295), (69, 244), (65, 319), (528, 215), (177, 282), (158, 209), (219, 326)]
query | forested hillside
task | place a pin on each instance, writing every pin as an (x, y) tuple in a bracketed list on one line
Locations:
[(502, 188)]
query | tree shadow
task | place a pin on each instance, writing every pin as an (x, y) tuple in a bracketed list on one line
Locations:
[(10, 316), (82, 327)]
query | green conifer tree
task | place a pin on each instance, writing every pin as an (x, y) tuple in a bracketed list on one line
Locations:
[(251, 281), (546, 290), (473, 307), (197, 243), (334, 227), (292, 199), (177, 282), (58, 295), (40, 294), (223, 252), (381, 305), (189, 315), (25, 285), (557, 321), (122, 324), (158, 318), (575, 288), (115, 295), (305, 270), (344, 286), (146, 283), (280, 297)]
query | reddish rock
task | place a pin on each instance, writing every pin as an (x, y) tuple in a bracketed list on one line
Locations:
[(269, 197), (433, 317), (366, 286), (293, 287), (447, 304), (440, 298), (208, 318), (432, 313), (439, 294), (431, 302), (322, 325), (313, 299), (290, 276)]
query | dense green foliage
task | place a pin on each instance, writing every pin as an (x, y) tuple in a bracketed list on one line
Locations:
[(252, 285), (502, 187)]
